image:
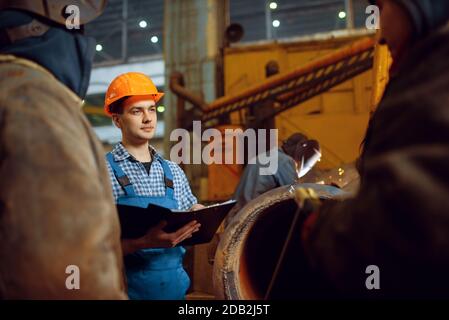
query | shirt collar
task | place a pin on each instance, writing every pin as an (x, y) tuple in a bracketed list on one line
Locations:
[(120, 153)]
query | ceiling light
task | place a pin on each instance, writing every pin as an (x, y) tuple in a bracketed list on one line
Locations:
[(143, 24)]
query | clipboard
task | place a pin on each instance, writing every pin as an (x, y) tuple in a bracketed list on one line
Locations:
[(136, 221)]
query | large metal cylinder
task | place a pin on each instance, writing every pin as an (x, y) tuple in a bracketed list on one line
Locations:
[(250, 247)]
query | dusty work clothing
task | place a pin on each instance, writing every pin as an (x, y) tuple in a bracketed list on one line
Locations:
[(399, 221), (56, 204)]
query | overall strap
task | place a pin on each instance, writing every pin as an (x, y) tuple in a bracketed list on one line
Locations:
[(168, 177), (121, 177)]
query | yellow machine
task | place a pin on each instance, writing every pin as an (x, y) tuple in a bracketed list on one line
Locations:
[(325, 88)]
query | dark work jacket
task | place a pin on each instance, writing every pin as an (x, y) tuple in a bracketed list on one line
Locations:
[(399, 221), (252, 184)]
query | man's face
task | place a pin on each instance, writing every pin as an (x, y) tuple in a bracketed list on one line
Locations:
[(138, 120), (396, 27)]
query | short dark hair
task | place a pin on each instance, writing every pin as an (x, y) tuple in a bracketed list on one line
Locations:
[(117, 106)]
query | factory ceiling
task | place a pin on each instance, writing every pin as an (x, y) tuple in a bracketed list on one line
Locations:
[(131, 30)]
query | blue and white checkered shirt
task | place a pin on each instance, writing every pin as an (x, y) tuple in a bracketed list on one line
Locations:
[(152, 184)]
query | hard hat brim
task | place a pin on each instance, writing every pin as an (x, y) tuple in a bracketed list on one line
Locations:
[(156, 96)]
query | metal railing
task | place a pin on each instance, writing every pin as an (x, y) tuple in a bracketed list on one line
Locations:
[(288, 89)]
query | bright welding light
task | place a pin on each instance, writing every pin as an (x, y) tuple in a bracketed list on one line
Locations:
[(160, 109), (98, 47), (306, 165), (342, 14)]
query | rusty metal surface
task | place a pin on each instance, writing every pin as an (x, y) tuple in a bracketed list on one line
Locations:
[(229, 277), (185, 118), (177, 86)]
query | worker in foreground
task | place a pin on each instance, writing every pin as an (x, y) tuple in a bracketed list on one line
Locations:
[(392, 239), (59, 231), (141, 176)]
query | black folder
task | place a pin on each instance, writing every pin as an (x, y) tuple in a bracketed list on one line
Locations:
[(136, 221)]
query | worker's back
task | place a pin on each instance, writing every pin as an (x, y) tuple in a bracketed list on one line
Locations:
[(252, 183), (56, 201)]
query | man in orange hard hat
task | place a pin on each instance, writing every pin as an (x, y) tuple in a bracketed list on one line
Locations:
[(141, 176), (59, 231)]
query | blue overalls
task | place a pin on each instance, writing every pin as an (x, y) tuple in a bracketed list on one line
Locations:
[(153, 274)]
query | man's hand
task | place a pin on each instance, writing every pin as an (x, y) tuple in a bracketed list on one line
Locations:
[(197, 206), (156, 237)]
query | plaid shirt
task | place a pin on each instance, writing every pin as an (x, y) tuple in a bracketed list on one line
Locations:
[(151, 184)]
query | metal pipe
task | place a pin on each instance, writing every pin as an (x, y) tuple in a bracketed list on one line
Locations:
[(125, 30), (177, 87), (180, 105), (268, 20), (246, 256), (349, 8)]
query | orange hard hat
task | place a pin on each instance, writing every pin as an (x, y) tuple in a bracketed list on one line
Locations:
[(130, 84)]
